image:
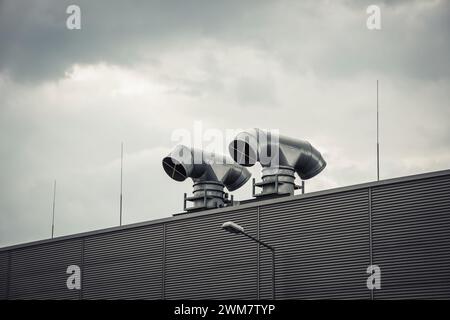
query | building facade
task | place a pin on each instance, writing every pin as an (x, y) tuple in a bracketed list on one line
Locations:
[(324, 241)]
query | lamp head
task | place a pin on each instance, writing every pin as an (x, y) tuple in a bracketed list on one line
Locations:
[(232, 227)]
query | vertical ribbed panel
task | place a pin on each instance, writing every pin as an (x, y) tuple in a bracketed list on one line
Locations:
[(39, 272), (205, 262), (124, 264), (322, 247), (4, 258), (411, 238)]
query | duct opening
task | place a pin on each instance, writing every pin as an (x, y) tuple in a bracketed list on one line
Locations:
[(174, 169), (236, 178), (313, 165), (243, 152)]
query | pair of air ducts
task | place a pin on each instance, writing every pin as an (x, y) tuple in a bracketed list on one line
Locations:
[(280, 157)]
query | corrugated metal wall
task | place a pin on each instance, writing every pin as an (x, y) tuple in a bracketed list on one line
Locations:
[(124, 264), (324, 242), (411, 238), (4, 266), (205, 262), (322, 247), (39, 272)]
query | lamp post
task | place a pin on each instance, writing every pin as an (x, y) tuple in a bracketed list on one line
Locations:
[(237, 229)]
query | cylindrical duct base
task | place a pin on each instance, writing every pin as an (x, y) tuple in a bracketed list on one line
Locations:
[(277, 181), (207, 195)]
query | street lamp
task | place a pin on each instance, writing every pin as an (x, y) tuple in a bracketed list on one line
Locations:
[(237, 229)]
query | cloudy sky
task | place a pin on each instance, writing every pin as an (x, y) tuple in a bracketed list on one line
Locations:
[(140, 71)]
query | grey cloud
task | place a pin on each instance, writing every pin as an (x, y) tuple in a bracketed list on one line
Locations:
[(36, 44), (329, 38)]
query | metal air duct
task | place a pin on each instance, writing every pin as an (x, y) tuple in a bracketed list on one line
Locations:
[(210, 174), (280, 157)]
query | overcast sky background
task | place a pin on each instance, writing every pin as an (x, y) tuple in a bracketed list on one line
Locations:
[(136, 72)]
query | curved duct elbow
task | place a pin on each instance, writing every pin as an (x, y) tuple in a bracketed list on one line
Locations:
[(210, 174), (180, 164), (280, 157)]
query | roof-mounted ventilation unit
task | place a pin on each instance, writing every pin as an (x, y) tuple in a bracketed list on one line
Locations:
[(210, 173), (280, 157)]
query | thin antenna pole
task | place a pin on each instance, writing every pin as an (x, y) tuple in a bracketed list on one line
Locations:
[(53, 211), (378, 140), (121, 175)]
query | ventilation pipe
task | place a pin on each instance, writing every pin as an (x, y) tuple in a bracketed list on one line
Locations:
[(210, 174), (280, 157)]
